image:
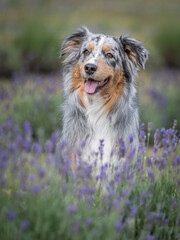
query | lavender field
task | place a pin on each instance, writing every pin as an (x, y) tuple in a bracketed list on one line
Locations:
[(42, 198)]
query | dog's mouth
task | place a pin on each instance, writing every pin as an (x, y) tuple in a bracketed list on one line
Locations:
[(92, 86)]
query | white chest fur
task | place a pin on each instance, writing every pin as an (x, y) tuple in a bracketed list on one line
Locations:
[(100, 129)]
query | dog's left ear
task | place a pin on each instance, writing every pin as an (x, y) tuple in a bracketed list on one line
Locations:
[(73, 42), (134, 51)]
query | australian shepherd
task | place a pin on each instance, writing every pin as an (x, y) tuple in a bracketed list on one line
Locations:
[(100, 91)]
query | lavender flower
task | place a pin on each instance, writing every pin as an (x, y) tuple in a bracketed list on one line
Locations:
[(54, 137), (160, 99), (133, 190), (41, 172), (72, 209), (36, 189), (150, 237), (2, 181), (27, 128), (37, 148), (27, 145), (101, 147), (11, 215), (121, 148), (160, 163), (149, 161), (49, 147), (119, 225), (89, 221), (151, 174), (174, 204), (131, 138), (133, 211), (156, 136), (124, 193), (24, 224)]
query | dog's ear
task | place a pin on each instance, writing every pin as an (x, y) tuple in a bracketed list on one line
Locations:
[(73, 41), (134, 51)]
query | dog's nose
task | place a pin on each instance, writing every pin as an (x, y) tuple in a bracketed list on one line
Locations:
[(90, 68)]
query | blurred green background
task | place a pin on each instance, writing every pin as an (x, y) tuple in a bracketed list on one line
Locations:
[(30, 69)]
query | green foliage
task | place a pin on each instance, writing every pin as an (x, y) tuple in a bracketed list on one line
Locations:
[(41, 111), (9, 59), (160, 104), (39, 46), (166, 41), (165, 116), (172, 108), (49, 218)]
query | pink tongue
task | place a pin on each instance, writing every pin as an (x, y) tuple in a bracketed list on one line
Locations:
[(90, 86)]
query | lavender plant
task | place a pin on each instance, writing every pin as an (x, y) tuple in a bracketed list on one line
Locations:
[(41, 197)]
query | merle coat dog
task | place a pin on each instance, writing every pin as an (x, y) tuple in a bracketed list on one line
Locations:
[(100, 91)]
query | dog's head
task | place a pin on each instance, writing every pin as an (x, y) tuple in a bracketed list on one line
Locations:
[(102, 64)]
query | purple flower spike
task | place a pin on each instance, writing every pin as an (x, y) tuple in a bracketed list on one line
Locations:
[(149, 161), (83, 143), (124, 193), (150, 237), (150, 174), (164, 154), (54, 137), (36, 189), (166, 221), (41, 172), (174, 204), (133, 211), (118, 225), (178, 160), (49, 146), (27, 145), (89, 221), (72, 209), (27, 128), (2, 181), (143, 195), (156, 136), (131, 138), (25, 224), (11, 215), (37, 148)]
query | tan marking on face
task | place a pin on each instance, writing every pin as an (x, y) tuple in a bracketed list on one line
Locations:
[(103, 71), (130, 54), (106, 48), (113, 90), (91, 46), (71, 44), (78, 83)]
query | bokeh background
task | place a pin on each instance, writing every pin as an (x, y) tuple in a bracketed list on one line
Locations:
[(31, 33)]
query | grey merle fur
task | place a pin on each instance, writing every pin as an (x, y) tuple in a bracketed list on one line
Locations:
[(124, 115)]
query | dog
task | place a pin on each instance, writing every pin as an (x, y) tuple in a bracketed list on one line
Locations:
[(100, 91)]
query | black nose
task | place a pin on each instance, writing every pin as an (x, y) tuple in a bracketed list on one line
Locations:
[(90, 68)]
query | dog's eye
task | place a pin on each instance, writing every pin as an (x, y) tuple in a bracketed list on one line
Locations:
[(86, 52), (109, 55)]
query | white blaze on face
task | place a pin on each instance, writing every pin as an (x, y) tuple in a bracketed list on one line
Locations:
[(90, 86), (97, 51)]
